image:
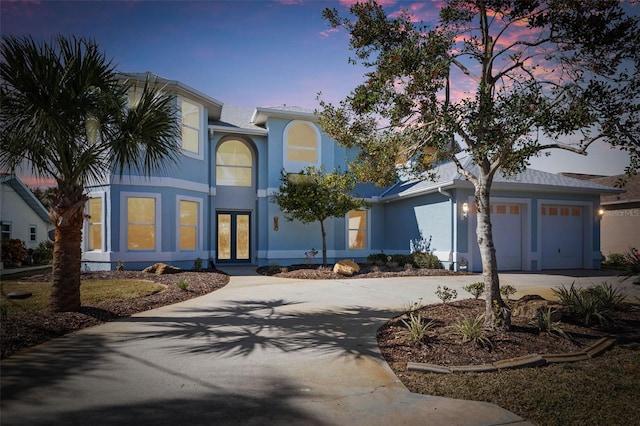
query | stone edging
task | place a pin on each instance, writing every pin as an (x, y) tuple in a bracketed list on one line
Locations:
[(532, 360)]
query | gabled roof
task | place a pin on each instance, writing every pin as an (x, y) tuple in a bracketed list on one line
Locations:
[(235, 119), (262, 114), (20, 188), (630, 191), (214, 106), (531, 180)]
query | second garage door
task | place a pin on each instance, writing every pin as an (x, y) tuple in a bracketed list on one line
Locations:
[(562, 237)]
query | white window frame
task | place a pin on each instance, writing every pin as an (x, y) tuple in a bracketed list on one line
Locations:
[(6, 223), (124, 222), (33, 233), (297, 166), (367, 230), (201, 129), (103, 216), (199, 235)]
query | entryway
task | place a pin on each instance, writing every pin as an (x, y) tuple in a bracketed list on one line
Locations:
[(233, 237)]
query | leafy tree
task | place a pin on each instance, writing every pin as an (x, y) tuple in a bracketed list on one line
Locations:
[(44, 195), (315, 196), (65, 112), (500, 80)]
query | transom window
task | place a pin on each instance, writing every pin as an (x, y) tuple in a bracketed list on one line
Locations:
[(190, 126), (302, 145), (234, 164), (94, 211), (357, 229), (141, 223)]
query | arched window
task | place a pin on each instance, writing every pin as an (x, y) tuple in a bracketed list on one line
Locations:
[(234, 163), (302, 146)]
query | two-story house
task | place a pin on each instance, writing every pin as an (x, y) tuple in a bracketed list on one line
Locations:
[(215, 205)]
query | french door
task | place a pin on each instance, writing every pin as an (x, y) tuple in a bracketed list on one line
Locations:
[(233, 236)]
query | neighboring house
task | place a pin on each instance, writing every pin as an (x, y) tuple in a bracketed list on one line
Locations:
[(620, 226), (22, 216), (216, 204)]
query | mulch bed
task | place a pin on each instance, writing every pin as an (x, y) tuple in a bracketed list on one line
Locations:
[(21, 331), (318, 272)]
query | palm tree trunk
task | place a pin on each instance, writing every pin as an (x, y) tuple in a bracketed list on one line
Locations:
[(67, 216)]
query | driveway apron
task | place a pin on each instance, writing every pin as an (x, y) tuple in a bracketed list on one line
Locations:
[(262, 350)]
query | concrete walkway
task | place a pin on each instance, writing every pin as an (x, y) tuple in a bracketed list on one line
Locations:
[(259, 351)]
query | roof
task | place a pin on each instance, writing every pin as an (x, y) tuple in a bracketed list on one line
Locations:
[(235, 119), (214, 106), (630, 189), (261, 114), (26, 194), (531, 180)]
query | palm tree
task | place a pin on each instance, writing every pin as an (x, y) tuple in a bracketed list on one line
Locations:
[(65, 114)]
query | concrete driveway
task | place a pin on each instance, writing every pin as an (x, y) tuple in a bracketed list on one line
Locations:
[(259, 351)]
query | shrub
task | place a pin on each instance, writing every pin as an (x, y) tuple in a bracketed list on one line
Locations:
[(401, 259), (377, 259), (120, 265), (507, 290), (446, 294), (615, 259), (197, 265), (424, 260), (183, 285), (416, 328), (632, 265), (476, 289), (13, 251), (593, 302), (43, 253), (471, 330)]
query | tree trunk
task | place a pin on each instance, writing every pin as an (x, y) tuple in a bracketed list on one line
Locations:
[(497, 313), (67, 216), (324, 244)]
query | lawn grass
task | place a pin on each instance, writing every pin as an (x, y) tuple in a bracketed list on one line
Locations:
[(91, 292), (600, 391)]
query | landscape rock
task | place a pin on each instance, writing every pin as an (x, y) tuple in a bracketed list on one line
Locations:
[(530, 307), (162, 269), (346, 267)]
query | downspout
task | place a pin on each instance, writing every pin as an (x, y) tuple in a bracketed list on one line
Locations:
[(454, 228)]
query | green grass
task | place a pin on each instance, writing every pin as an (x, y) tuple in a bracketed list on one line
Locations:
[(91, 292), (600, 391)]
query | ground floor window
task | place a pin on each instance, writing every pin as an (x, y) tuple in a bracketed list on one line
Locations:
[(94, 213), (6, 231), (141, 223), (188, 229), (33, 233), (357, 229)]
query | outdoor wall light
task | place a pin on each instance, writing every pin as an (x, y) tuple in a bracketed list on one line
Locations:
[(600, 213), (465, 209)]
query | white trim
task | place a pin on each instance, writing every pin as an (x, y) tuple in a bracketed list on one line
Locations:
[(163, 182), (202, 129), (297, 166), (135, 255), (236, 130), (199, 223)]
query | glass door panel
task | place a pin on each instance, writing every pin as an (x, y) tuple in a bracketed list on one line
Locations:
[(224, 236), (242, 237), (234, 237)]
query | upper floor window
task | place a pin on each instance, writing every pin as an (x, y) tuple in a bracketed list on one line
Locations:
[(190, 114), (234, 164), (357, 229), (33, 233), (301, 145), (94, 213)]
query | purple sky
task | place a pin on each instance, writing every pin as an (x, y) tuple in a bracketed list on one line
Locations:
[(246, 53)]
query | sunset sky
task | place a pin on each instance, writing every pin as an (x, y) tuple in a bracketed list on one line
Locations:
[(245, 53)]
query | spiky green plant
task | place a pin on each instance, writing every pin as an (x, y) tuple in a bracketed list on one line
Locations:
[(416, 328), (471, 330)]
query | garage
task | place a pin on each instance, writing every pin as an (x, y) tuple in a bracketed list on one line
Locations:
[(506, 220), (562, 236)]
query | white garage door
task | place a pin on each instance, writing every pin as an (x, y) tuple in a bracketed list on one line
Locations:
[(506, 221), (562, 239)]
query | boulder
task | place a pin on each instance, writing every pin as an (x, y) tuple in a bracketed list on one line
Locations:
[(19, 294), (529, 307), (161, 269), (346, 267)]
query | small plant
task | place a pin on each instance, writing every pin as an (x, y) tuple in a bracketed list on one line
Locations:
[(13, 252), (310, 255), (472, 330), (197, 264), (413, 306), (632, 265), (377, 259), (591, 303), (446, 294), (476, 289), (183, 285), (544, 322), (416, 328), (120, 266), (43, 253), (507, 290)]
